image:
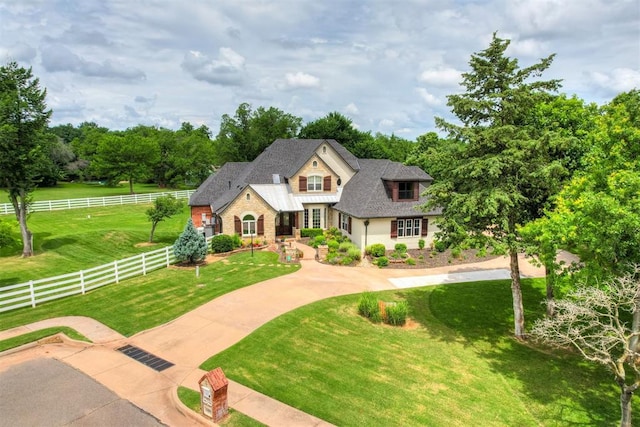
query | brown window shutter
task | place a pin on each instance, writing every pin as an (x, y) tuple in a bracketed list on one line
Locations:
[(339, 220), (394, 228), (218, 224), (302, 183), (394, 191), (416, 190), (261, 225), (349, 225), (295, 219), (238, 225), (425, 226), (326, 185)]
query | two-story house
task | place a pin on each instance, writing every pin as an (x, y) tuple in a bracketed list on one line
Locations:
[(316, 183)]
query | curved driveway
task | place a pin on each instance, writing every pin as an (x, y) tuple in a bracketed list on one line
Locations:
[(192, 338)]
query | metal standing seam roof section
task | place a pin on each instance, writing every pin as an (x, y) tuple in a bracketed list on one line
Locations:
[(154, 362)]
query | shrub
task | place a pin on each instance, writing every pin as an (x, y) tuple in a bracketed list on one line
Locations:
[(237, 241), (368, 306), (311, 232), (401, 248), (383, 261), (318, 240), (345, 246), (333, 245), (377, 250), (190, 246), (221, 243), (346, 261), (354, 253), (421, 244), (440, 246), (332, 258), (396, 313), (456, 252), (411, 261)]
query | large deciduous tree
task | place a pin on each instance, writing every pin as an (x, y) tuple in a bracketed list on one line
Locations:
[(127, 156), (23, 147), (597, 214), (595, 321), (339, 127), (493, 182), (243, 137)]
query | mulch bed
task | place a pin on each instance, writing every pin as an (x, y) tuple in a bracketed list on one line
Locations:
[(437, 259)]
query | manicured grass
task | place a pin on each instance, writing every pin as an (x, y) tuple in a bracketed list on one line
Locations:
[(143, 302), (76, 239), (38, 335), (79, 190), (456, 364), (191, 399)]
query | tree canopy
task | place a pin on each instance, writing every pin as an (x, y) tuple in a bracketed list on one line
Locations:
[(23, 147)]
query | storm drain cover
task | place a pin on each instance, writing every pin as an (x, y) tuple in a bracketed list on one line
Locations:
[(146, 358)]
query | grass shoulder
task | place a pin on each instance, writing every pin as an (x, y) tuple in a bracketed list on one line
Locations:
[(147, 301), (38, 335), (191, 399)]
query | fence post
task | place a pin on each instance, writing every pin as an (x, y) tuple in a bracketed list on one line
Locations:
[(167, 253), (82, 281), (33, 294), (104, 201), (135, 197), (144, 265), (50, 208), (115, 271)]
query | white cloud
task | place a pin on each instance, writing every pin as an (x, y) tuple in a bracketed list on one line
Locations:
[(58, 58), (441, 76), (351, 108), (618, 80), (301, 80), (430, 99), (386, 123), (228, 69), (528, 47)]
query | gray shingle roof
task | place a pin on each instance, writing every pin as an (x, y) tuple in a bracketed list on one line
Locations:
[(365, 195), (284, 157)]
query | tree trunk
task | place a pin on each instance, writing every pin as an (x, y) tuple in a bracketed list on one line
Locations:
[(625, 405), (130, 185), (550, 278), (516, 292), (635, 327), (20, 206), (153, 230)]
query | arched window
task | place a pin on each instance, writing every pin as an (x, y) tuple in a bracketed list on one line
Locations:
[(248, 196), (315, 164), (248, 225)]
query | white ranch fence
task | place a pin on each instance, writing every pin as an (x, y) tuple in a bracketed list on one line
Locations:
[(34, 292), (94, 202)]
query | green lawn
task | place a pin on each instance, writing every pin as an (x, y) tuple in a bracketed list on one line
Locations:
[(455, 365), (38, 335), (191, 399), (78, 190), (143, 302), (71, 240)]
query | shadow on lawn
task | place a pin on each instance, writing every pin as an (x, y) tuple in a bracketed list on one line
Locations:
[(481, 314)]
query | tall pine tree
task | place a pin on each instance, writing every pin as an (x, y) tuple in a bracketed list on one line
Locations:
[(496, 179)]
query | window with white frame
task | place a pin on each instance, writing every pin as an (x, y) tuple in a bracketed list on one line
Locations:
[(248, 225), (409, 227), (344, 222), (306, 218), (314, 183)]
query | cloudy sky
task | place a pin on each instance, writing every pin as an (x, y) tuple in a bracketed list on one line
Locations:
[(386, 64)]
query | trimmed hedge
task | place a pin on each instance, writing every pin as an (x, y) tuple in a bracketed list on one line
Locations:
[(311, 232), (221, 243), (376, 250)]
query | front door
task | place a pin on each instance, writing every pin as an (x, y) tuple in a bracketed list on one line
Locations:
[(284, 223)]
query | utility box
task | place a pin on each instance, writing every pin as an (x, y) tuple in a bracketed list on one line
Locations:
[(213, 395)]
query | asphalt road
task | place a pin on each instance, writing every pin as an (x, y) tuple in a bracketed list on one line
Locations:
[(47, 392)]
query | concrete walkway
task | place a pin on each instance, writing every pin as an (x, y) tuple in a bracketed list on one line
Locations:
[(194, 337)]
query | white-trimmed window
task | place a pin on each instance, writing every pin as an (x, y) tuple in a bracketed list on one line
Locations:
[(314, 183), (306, 218), (409, 227), (248, 225), (316, 217), (344, 222)]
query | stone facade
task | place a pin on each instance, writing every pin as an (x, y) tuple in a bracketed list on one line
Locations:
[(254, 205), (321, 170)]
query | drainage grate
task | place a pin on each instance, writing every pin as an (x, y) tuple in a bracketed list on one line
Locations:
[(146, 358)]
